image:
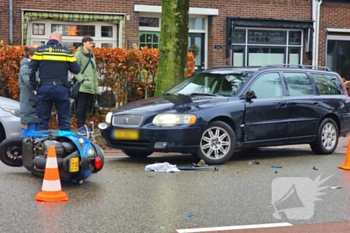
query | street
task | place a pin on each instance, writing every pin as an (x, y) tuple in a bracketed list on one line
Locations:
[(125, 198)]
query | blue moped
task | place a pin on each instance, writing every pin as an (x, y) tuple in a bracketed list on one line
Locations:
[(77, 156)]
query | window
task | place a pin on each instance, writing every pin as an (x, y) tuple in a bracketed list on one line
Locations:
[(294, 55), (238, 55), (74, 30), (148, 22), (196, 23), (295, 38), (266, 37), (328, 84), (38, 29), (298, 84), (252, 47), (338, 56), (104, 34), (259, 56), (267, 86), (106, 31), (149, 39), (239, 36), (38, 43), (108, 45), (71, 44)]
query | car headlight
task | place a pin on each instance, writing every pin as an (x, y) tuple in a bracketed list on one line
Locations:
[(108, 117), (174, 119), (13, 110)]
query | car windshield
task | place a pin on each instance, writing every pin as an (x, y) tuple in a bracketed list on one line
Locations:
[(210, 84)]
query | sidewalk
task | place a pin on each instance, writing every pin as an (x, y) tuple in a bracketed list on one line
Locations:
[(341, 148)]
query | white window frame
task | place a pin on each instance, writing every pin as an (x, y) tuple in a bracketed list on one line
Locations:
[(98, 40), (157, 29), (286, 45), (151, 29)]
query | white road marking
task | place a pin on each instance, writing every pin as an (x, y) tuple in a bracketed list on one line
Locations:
[(254, 226)]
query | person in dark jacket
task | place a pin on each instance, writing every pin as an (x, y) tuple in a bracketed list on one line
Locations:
[(27, 98), (53, 62)]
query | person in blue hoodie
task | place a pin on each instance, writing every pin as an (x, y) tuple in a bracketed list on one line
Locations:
[(27, 99)]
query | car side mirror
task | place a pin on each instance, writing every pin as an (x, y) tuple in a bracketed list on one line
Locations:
[(250, 95)]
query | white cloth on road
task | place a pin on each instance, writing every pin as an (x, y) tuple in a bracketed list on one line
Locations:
[(162, 167)]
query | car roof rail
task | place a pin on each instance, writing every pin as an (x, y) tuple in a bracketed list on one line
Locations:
[(295, 66)]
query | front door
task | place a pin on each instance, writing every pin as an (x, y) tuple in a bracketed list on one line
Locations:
[(267, 116), (196, 45)]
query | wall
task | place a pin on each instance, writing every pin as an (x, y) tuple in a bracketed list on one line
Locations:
[(333, 15), (278, 9)]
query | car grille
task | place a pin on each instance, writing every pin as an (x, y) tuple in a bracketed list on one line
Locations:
[(140, 144), (127, 120)]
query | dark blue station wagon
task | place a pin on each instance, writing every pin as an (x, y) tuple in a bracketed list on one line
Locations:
[(224, 109)]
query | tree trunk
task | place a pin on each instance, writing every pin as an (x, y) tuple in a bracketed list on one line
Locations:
[(173, 44)]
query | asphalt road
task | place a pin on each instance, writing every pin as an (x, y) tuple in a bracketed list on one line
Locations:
[(125, 198)]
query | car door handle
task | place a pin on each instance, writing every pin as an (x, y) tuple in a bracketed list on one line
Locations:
[(315, 103)]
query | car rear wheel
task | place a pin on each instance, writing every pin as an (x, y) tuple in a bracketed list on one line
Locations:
[(327, 137), (137, 154), (217, 143)]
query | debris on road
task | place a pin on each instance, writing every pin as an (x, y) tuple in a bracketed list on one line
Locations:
[(253, 162), (201, 163), (215, 167), (335, 187), (315, 168), (162, 167), (274, 166), (190, 215)]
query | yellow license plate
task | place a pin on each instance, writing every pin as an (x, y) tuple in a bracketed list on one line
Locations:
[(126, 134), (74, 164)]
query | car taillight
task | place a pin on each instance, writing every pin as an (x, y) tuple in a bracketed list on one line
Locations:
[(98, 163)]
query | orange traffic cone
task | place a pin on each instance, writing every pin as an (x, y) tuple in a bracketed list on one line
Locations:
[(51, 189), (346, 165)]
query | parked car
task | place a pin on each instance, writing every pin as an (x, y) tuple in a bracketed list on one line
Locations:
[(10, 124), (224, 109)]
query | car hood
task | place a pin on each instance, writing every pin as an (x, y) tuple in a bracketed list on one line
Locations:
[(9, 102), (178, 103)]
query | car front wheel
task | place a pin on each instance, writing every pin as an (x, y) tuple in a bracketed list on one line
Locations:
[(327, 137), (217, 143)]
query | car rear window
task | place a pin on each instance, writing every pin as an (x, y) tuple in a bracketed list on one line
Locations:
[(328, 84), (298, 84)]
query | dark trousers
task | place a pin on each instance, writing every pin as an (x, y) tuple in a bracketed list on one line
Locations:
[(47, 96), (84, 104)]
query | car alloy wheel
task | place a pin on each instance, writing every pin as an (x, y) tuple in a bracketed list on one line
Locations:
[(217, 143), (327, 137)]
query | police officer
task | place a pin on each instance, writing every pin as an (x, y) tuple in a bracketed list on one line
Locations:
[(53, 62)]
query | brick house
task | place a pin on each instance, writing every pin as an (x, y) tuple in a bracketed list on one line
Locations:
[(236, 32)]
